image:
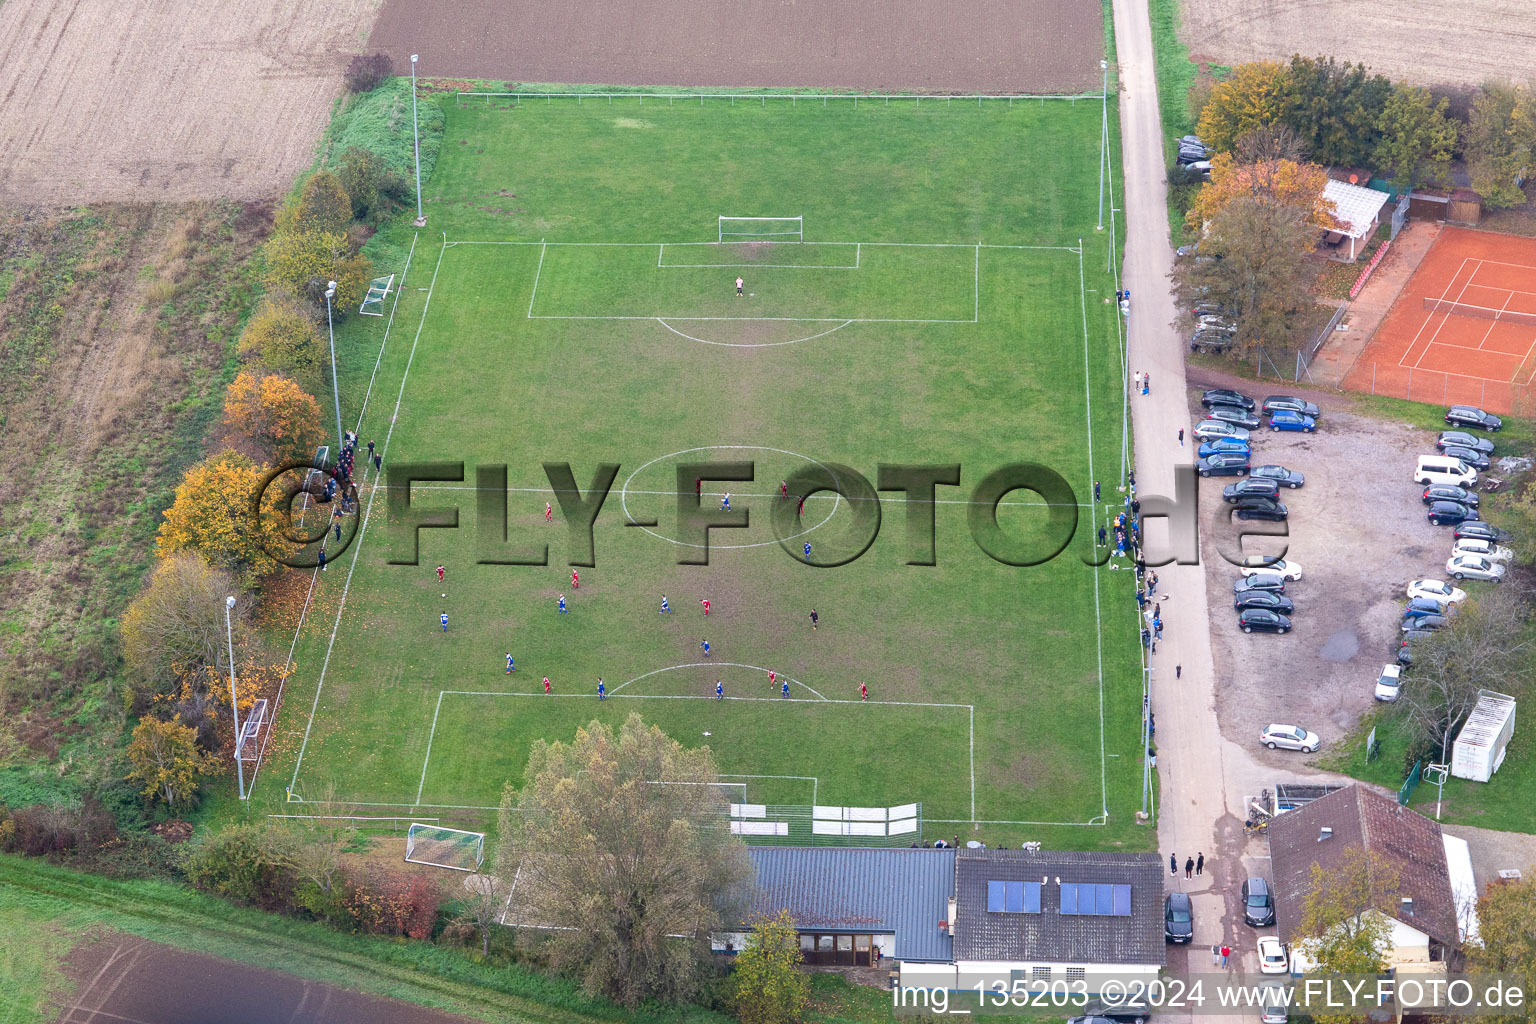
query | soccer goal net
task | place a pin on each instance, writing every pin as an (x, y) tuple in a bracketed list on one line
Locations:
[(444, 847), (769, 228), (378, 291)]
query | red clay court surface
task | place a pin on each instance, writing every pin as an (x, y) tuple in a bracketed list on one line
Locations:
[(1449, 357)]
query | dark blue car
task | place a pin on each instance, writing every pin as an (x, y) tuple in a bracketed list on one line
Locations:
[(1285, 419)]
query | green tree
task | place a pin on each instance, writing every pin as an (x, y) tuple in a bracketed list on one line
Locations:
[(324, 204), (1520, 523), (1499, 142), (1506, 939), (1336, 108), (767, 984), (296, 257), (1416, 137), (1253, 97), (175, 627), (623, 855), (165, 759), (285, 337), (1344, 918), (369, 180)]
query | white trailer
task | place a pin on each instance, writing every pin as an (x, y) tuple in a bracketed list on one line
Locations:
[(1479, 748)]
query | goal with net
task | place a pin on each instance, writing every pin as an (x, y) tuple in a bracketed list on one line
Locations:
[(765, 228), (444, 847), (378, 290)]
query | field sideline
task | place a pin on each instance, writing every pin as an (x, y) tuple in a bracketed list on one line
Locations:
[(994, 696)]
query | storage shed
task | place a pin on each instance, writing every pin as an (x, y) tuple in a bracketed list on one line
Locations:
[(1479, 748)]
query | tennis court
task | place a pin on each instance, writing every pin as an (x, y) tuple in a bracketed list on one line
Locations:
[(1464, 328)]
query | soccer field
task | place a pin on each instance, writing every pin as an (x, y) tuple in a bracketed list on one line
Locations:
[(934, 294)]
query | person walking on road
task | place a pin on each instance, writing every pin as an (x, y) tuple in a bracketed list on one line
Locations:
[(1215, 956), (1189, 867), (1226, 951), (1181, 437), (1146, 383), (1173, 864), (1200, 864)]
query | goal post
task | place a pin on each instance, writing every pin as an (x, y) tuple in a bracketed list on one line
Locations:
[(768, 228), (440, 847)]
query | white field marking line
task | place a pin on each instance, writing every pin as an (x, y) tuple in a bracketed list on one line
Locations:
[(1494, 323), (768, 319), (893, 245), (1459, 296), (1430, 315), (535, 293), (624, 493), (972, 739), (740, 494), (277, 702), (613, 695), (362, 530), (1098, 615), (1444, 297), (769, 266), (724, 664), (432, 735), (812, 779), (755, 344), (997, 821), (976, 287)]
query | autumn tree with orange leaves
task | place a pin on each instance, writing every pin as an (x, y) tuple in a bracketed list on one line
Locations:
[(213, 516), (271, 417), (1253, 97), (1280, 183)]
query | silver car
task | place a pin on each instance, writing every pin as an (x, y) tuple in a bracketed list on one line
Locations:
[(1210, 430), (1289, 737)]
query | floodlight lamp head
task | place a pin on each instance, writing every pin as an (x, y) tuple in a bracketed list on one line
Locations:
[(330, 291), (1103, 65), (229, 602), (413, 58)]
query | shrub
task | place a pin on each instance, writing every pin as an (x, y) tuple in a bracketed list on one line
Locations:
[(243, 863), (390, 903), (369, 181), (367, 71), (42, 830), (324, 204), (284, 336)]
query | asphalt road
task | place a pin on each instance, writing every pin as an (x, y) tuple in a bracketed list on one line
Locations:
[(120, 979)]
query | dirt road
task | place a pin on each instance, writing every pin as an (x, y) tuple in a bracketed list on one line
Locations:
[(167, 99), (120, 979)]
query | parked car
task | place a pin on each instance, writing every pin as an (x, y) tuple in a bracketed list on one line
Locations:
[(1272, 600), (1443, 469), (1223, 464), (1205, 307), (1187, 250), (1450, 513), (1264, 580), (1287, 737), (1205, 340), (1471, 416), (1479, 529), (1207, 430), (1284, 419), (1468, 457), (1275, 1007), (1471, 567), (1130, 1009), (1389, 683), (1235, 415), (1428, 623), (1439, 590), (1258, 903), (1217, 322), (1178, 918), (1262, 620), (1419, 607), (1250, 488), (1272, 956), (1289, 403), (1223, 444), (1225, 396), (1260, 563), (1461, 439), (1450, 492), (1280, 475), (1482, 548), (1266, 509)]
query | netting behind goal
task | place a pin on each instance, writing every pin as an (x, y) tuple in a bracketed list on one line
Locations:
[(378, 290), (783, 229), (444, 847)]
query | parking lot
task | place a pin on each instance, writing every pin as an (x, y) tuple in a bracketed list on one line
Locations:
[(1358, 529)]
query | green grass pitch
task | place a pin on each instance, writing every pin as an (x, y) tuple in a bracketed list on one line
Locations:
[(960, 317)]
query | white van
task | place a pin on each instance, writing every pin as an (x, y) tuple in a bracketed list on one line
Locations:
[(1443, 469)]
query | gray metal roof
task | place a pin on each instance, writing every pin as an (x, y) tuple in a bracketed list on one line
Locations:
[(902, 891), (1050, 935)]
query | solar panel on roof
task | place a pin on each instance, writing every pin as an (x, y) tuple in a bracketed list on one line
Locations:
[(995, 897)]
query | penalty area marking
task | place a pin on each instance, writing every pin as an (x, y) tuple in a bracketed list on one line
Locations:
[(756, 344), (629, 517)]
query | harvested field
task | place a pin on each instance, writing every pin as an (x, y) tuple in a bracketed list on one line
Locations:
[(1410, 40), (992, 46), (171, 100)]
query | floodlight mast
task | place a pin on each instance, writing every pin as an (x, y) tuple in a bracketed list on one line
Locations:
[(234, 704), (421, 218), (330, 293), (1103, 140)]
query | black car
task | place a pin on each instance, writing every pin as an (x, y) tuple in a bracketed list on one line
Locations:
[(1226, 396), (1235, 415), (1450, 492), (1270, 581), (1223, 464), (1424, 623), (1178, 918), (1477, 460), (1271, 600), (1471, 416), (1253, 487), (1459, 439), (1129, 1010), (1258, 904), (1450, 513), (1207, 339), (1479, 530), (1280, 475), (1290, 404), (1262, 620), (1261, 508)]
